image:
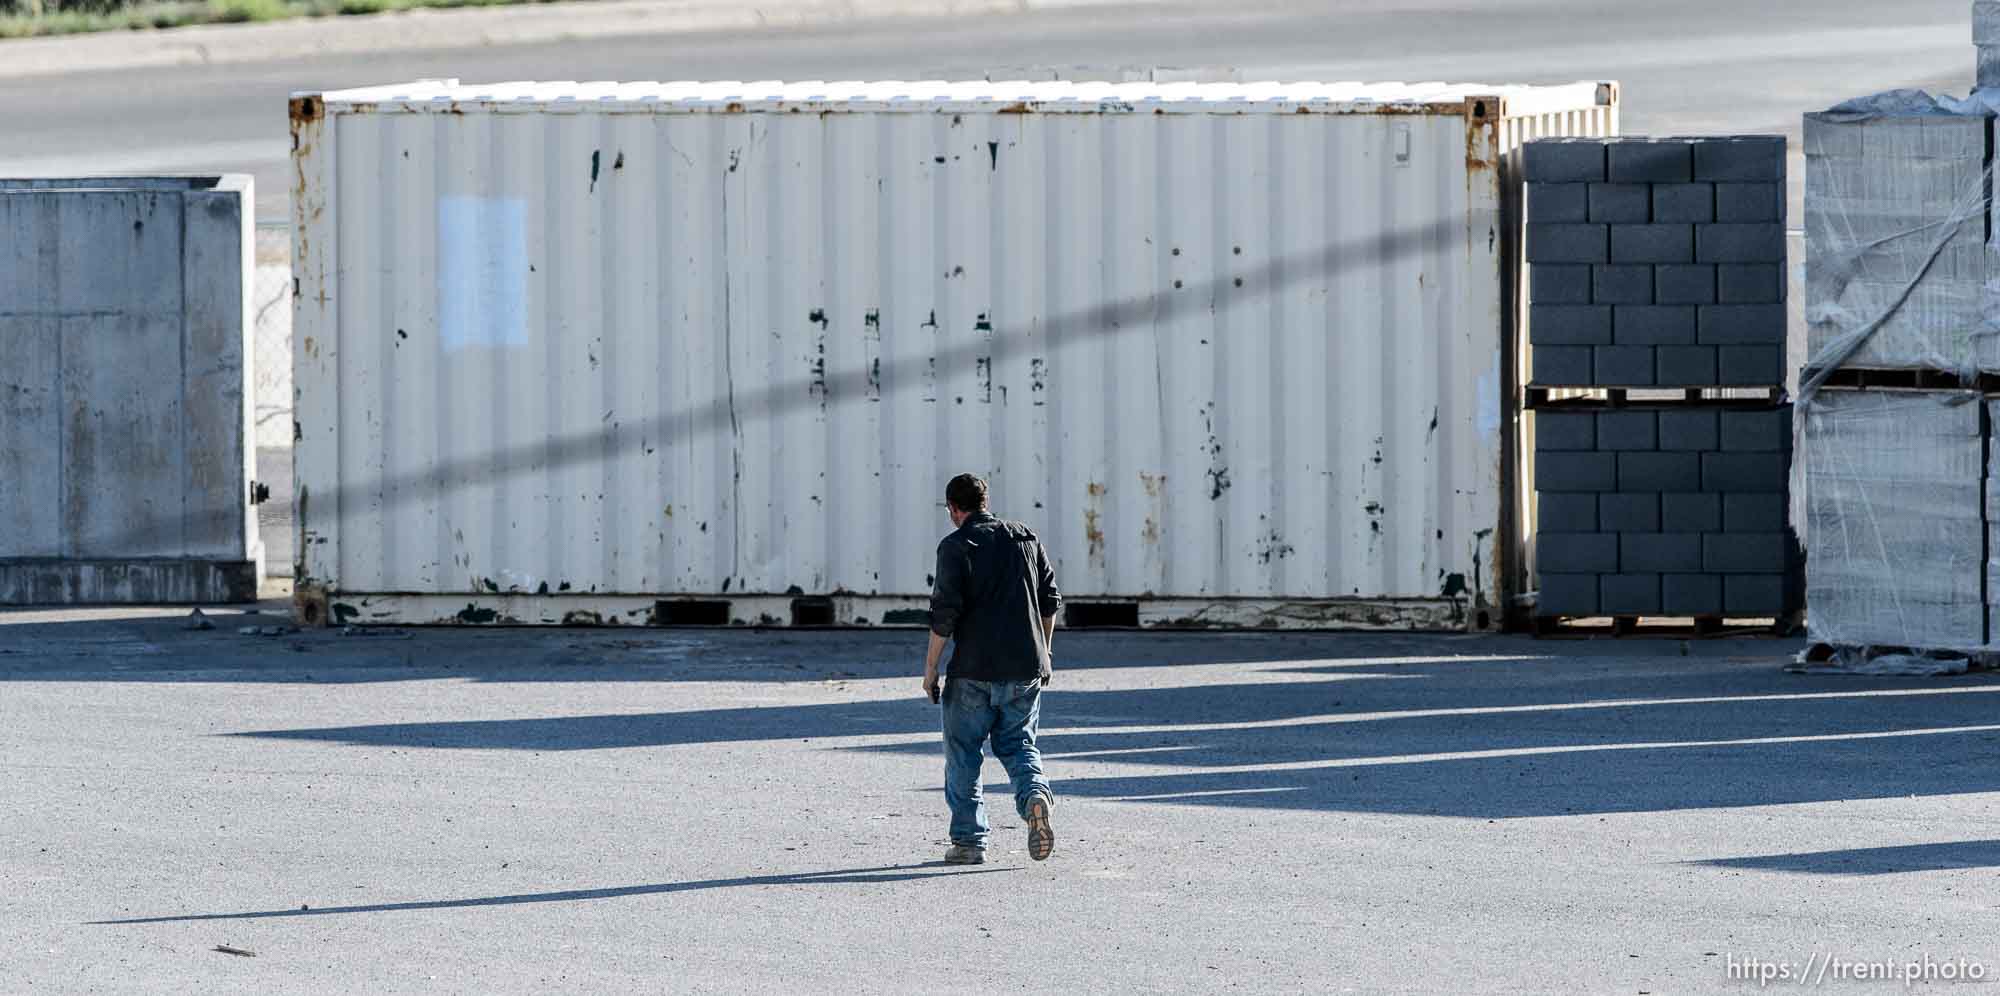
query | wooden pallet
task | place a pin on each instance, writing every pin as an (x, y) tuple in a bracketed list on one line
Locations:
[(1664, 627), (1545, 399)]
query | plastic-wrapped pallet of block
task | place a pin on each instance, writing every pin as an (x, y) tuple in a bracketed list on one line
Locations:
[(1986, 36), (1893, 497), (1993, 537), (1896, 218)]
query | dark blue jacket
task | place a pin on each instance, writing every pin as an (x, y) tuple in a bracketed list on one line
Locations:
[(994, 587)]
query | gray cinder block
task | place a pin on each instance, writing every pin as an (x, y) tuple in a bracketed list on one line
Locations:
[(1568, 244), (1569, 325), (1559, 283), (1740, 159), (1691, 594), (1559, 160), (1659, 552), (1720, 243), (1688, 431), (1757, 595), (1650, 161), (1749, 366), (1686, 366), (1629, 594), (1753, 513), (1621, 203), (1557, 512), (1749, 202), (1683, 203), (1743, 553), (1690, 513), (1654, 325), (1559, 431), (1577, 553), (1567, 595), (1638, 513), (1684, 283), (1750, 283), (1725, 473), (1558, 202), (1654, 243), (1760, 431), (1622, 284), (1627, 430), (1622, 366), (1562, 366), (1659, 471), (1742, 324), (1576, 472)]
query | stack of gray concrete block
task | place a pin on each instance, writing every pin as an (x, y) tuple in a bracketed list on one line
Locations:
[(1901, 336), (1656, 262), (1894, 481), (1660, 263), (1677, 511), (1897, 211)]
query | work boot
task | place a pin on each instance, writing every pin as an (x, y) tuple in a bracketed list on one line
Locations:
[(1041, 835), (965, 854)]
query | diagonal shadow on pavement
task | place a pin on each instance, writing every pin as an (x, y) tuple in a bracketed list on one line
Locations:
[(1944, 856), (848, 876)]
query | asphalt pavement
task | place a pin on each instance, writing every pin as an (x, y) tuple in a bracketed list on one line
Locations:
[(602, 811), (737, 811)]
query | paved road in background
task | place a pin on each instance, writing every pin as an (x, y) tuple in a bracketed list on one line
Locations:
[(733, 811), (1700, 66)]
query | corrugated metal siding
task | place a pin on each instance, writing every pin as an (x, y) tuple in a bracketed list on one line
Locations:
[(1516, 130), (1205, 355)]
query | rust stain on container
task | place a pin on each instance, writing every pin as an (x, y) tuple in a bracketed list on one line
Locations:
[(1093, 530), (1482, 122), (307, 109)]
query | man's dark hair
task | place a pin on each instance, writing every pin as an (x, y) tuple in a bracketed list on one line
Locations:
[(967, 493)]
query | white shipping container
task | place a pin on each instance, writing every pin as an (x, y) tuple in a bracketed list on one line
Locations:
[(1239, 352)]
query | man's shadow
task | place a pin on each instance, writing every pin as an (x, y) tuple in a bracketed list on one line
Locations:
[(849, 876)]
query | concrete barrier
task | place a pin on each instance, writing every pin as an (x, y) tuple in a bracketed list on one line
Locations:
[(125, 471)]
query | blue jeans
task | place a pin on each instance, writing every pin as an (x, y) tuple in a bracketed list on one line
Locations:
[(1006, 711)]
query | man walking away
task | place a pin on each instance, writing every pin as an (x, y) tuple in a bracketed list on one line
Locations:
[(995, 596)]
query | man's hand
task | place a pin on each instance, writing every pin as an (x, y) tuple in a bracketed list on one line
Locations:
[(932, 658), (1048, 670)]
